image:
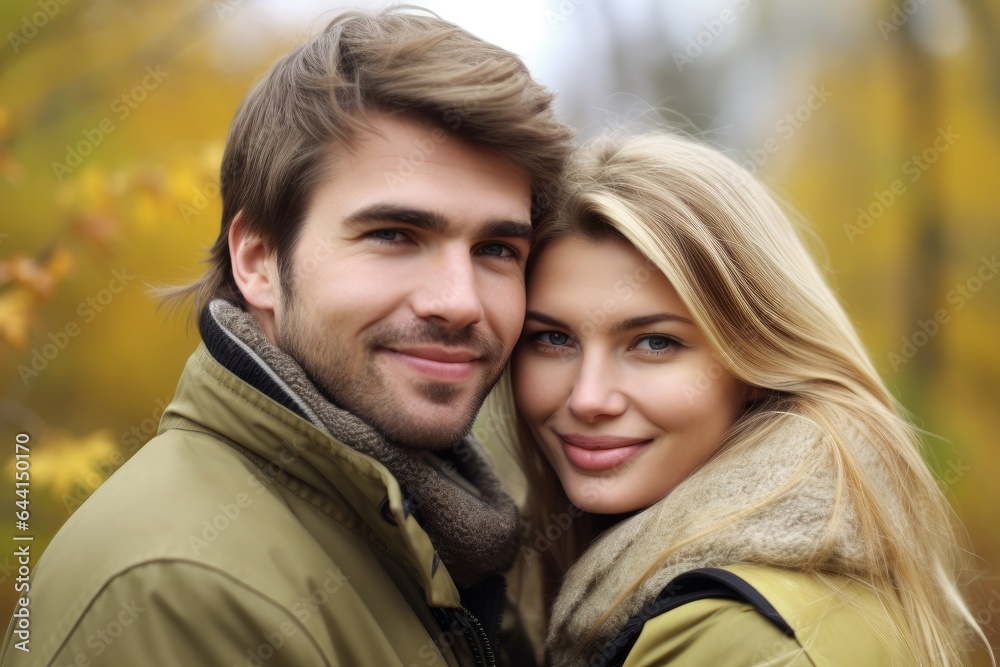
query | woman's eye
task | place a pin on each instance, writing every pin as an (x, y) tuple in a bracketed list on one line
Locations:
[(655, 343), (554, 338)]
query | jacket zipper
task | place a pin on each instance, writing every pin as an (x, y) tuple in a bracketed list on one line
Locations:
[(500, 601), (479, 642)]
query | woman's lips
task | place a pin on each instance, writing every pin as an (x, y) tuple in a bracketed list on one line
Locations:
[(600, 452)]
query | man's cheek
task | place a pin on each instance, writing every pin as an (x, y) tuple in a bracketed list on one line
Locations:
[(507, 316), (510, 334)]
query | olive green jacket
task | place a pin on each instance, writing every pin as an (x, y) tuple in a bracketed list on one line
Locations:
[(837, 622), (243, 536)]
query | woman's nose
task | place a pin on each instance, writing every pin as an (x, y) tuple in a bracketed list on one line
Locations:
[(595, 393)]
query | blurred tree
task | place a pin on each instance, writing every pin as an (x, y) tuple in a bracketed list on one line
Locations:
[(144, 199)]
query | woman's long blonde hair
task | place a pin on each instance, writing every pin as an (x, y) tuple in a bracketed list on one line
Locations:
[(739, 265)]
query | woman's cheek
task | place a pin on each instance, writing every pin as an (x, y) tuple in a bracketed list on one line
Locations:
[(541, 385), (522, 373)]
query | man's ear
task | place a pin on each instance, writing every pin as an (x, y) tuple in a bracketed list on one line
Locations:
[(255, 270)]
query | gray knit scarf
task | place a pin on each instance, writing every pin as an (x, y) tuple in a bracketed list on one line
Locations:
[(476, 530)]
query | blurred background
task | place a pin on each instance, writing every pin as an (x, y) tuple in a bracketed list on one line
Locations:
[(878, 121)]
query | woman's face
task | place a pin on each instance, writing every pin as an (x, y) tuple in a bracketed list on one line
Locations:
[(617, 384)]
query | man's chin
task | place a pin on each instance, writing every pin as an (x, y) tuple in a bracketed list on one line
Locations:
[(433, 437), (430, 426), (419, 415)]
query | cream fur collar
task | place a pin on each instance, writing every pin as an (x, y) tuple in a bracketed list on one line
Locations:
[(786, 534)]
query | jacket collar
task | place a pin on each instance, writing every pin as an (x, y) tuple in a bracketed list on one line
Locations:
[(239, 359), (228, 392)]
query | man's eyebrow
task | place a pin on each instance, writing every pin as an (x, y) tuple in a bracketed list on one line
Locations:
[(390, 213), (508, 229), (644, 321), (435, 222)]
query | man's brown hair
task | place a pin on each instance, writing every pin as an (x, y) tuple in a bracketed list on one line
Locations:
[(318, 98)]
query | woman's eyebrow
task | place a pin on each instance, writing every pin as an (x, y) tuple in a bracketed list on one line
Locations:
[(545, 319), (617, 327), (646, 320)]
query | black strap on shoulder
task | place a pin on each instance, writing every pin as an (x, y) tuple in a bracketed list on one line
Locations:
[(700, 584)]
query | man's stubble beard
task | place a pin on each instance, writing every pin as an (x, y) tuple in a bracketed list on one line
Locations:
[(352, 380)]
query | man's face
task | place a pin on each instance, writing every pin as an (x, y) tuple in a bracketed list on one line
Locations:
[(406, 292)]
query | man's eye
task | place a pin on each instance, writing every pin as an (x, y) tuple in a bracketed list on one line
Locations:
[(497, 250), (387, 235)]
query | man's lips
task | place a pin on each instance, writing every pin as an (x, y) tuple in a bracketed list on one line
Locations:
[(450, 355), (443, 364), (600, 452)]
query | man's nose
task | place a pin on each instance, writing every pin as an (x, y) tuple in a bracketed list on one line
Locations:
[(450, 292)]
